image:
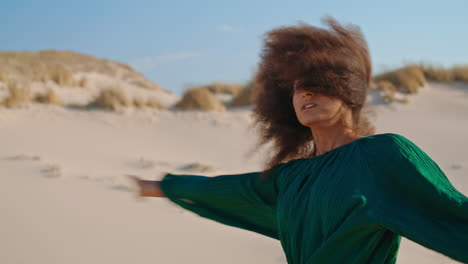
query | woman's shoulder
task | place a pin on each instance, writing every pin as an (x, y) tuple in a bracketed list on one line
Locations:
[(388, 143), (386, 138), (393, 150)]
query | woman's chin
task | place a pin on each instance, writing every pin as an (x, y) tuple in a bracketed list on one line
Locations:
[(317, 122), (309, 123)]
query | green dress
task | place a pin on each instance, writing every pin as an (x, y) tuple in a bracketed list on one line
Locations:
[(349, 205)]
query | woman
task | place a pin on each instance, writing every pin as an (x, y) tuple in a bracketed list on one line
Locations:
[(333, 192)]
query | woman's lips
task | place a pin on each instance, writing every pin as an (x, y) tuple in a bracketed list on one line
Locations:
[(308, 106)]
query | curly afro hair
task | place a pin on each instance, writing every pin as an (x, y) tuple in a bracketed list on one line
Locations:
[(332, 62)]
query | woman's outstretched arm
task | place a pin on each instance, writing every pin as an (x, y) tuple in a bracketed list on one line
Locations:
[(240, 200), (412, 197)]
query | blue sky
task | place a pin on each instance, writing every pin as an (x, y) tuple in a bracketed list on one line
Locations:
[(181, 43)]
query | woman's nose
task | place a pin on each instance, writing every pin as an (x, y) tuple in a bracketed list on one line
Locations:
[(306, 93)]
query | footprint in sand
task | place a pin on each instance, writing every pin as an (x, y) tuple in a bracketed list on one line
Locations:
[(122, 188), (197, 167), (144, 163), (456, 166), (84, 177), (52, 171), (23, 157)]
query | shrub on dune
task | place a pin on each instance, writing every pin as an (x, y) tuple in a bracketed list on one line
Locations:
[(416, 73), (411, 78), (139, 102), (408, 79), (48, 98), (460, 73), (386, 86), (244, 98), (112, 98), (60, 75), (18, 95), (437, 73), (387, 91), (199, 99), (219, 88), (83, 83)]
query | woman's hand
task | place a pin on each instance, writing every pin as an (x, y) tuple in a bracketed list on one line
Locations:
[(146, 188)]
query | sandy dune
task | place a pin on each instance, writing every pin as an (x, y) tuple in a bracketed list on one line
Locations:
[(64, 197)]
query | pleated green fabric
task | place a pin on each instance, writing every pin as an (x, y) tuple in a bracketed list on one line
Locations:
[(349, 205)]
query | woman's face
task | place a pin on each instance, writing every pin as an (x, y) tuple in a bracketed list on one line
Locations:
[(316, 109)]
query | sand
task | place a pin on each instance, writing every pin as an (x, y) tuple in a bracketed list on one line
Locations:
[(64, 197)]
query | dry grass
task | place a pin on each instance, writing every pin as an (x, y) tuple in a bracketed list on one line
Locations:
[(411, 78), (441, 74), (60, 75), (460, 73), (112, 98), (244, 98), (29, 66), (437, 73), (19, 95), (83, 83), (150, 103), (416, 73), (144, 84), (199, 99), (139, 102), (387, 91), (220, 88), (48, 98), (4, 77), (408, 79)]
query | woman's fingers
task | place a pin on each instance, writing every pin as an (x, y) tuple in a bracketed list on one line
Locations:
[(137, 187)]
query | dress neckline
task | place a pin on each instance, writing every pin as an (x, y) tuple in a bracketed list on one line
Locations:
[(347, 145)]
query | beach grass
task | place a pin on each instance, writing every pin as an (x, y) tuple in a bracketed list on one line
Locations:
[(199, 99), (111, 99), (18, 95), (50, 97), (244, 98), (407, 79)]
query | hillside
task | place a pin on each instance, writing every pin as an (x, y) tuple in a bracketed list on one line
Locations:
[(65, 71)]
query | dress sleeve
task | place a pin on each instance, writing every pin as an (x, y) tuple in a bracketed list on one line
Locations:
[(243, 200), (413, 198)]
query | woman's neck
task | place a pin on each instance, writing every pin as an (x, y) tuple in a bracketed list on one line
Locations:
[(328, 138), (333, 133)]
